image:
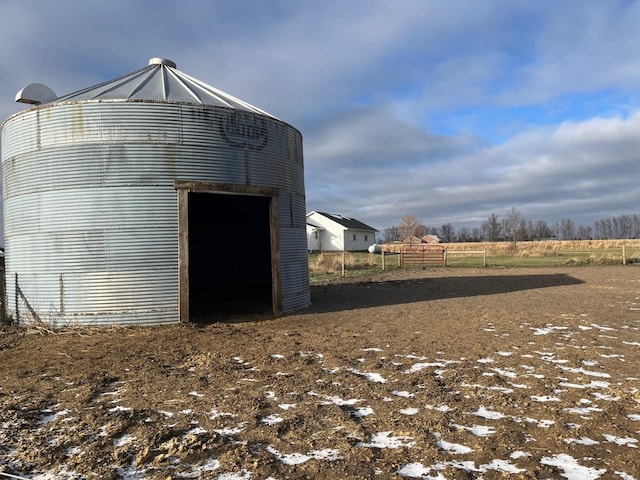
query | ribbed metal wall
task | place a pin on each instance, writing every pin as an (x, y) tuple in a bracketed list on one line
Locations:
[(91, 214)]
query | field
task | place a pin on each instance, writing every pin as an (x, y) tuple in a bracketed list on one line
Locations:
[(423, 373), (326, 266)]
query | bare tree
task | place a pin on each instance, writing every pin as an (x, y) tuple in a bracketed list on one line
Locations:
[(447, 233), (391, 234), (492, 228), (567, 229), (410, 226), (464, 234), (584, 233), (625, 226), (511, 224), (541, 230)]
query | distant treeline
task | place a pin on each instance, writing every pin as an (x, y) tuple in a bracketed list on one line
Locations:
[(513, 226)]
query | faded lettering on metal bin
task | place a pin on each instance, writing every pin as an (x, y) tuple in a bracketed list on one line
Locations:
[(244, 130)]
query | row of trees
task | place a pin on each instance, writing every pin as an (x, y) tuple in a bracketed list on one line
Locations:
[(514, 227)]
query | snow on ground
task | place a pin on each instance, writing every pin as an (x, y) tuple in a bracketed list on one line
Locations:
[(589, 379)]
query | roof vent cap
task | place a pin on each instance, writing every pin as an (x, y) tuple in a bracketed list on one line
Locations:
[(162, 61), (35, 94)]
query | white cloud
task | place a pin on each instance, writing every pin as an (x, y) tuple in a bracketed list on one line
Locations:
[(447, 110)]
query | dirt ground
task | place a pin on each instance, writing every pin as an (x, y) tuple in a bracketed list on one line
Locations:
[(437, 373)]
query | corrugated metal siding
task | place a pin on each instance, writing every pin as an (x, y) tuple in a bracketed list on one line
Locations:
[(89, 199), (295, 269)]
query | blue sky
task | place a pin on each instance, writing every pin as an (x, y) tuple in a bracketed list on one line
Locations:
[(446, 110)]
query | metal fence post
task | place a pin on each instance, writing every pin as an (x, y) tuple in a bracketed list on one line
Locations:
[(17, 290)]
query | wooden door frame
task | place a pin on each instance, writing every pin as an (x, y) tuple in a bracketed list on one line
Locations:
[(183, 189)]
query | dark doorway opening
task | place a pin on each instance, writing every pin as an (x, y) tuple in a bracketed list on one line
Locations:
[(230, 267)]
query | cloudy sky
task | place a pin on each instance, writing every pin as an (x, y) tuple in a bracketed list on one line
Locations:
[(449, 110)]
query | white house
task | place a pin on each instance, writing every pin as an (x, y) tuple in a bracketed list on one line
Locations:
[(329, 231)]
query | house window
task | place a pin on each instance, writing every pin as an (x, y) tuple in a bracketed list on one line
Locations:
[(354, 237), (366, 238), (316, 234)]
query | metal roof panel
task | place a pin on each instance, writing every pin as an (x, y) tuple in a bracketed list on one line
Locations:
[(160, 81)]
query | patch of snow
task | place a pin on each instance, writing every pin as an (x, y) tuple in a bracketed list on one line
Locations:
[(123, 440), (372, 377), (488, 414), (505, 373), (593, 384), (582, 410), (230, 432), (546, 330), (362, 412), (402, 393), (625, 476), (454, 448), (603, 328), (504, 466), (287, 406), (585, 372), (501, 389), (409, 411), (518, 385), (572, 469), (214, 413), (481, 430), (272, 419), (329, 454), (544, 398), (607, 397), (288, 458), (53, 416), (335, 400), (417, 470), (628, 441), (546, 423), (441, 408), (119, 408), (417, 367), (582, 441), (385, 440)]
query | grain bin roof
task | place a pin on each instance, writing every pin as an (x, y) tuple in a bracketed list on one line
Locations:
[(159, 81)]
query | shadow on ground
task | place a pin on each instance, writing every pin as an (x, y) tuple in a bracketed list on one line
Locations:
[(368, 294)]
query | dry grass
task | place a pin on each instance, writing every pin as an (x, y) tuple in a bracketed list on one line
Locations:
[(536, 248), (331, 262), (544, 248), (550, 253)]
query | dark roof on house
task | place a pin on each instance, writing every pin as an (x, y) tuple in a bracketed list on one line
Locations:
[(347, 222)]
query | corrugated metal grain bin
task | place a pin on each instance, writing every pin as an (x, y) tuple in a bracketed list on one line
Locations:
[(153, 198)]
